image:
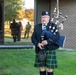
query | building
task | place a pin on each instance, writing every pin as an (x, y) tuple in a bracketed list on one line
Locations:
[(67, 7), (1, 21)]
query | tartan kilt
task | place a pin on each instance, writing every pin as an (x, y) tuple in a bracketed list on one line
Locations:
[(50, 62)]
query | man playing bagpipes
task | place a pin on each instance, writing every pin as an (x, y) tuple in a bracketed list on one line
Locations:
[(46, 44)]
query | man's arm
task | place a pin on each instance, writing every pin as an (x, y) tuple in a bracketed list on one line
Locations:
[(35, 41), (33, 37)]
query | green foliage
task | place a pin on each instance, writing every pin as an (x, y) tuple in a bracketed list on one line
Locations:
[(21, 61), (11, 9), (29, 14)]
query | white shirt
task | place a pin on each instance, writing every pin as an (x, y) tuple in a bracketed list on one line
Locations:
[(44, 26)]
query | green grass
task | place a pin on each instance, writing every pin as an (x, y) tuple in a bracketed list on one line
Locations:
[(21, 61)]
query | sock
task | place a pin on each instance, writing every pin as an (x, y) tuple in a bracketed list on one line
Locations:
[(50, 73), (42, 72)]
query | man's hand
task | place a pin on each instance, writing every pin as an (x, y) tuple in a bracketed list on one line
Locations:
[(40, 45), (44, 42)]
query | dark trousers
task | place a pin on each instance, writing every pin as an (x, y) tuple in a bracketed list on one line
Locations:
[(14, 38), (26, 34), (18, 36)]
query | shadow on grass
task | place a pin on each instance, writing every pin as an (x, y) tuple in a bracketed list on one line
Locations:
[(6, 74), (2, 70)]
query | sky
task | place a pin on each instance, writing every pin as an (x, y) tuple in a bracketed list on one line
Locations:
[(28, 4)]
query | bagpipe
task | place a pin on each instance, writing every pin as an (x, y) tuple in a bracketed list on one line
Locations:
[(56, 16), (48, 34)]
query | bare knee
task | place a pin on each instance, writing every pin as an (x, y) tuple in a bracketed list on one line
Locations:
[(49, 70), (42, 69)]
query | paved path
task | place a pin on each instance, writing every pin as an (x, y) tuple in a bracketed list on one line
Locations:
[(16, 46), (22, 40)]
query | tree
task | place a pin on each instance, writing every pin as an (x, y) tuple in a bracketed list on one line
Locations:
[(11, 9), (29, 14), (21, 14)]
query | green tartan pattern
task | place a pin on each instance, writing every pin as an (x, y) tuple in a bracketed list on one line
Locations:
[(51, 61)]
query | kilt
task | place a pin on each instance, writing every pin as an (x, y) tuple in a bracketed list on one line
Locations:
[(50, 62)]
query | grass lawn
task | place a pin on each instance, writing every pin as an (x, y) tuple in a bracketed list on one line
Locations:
[(21, 61)]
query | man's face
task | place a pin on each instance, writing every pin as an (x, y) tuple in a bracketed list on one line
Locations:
[(45, 19)]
